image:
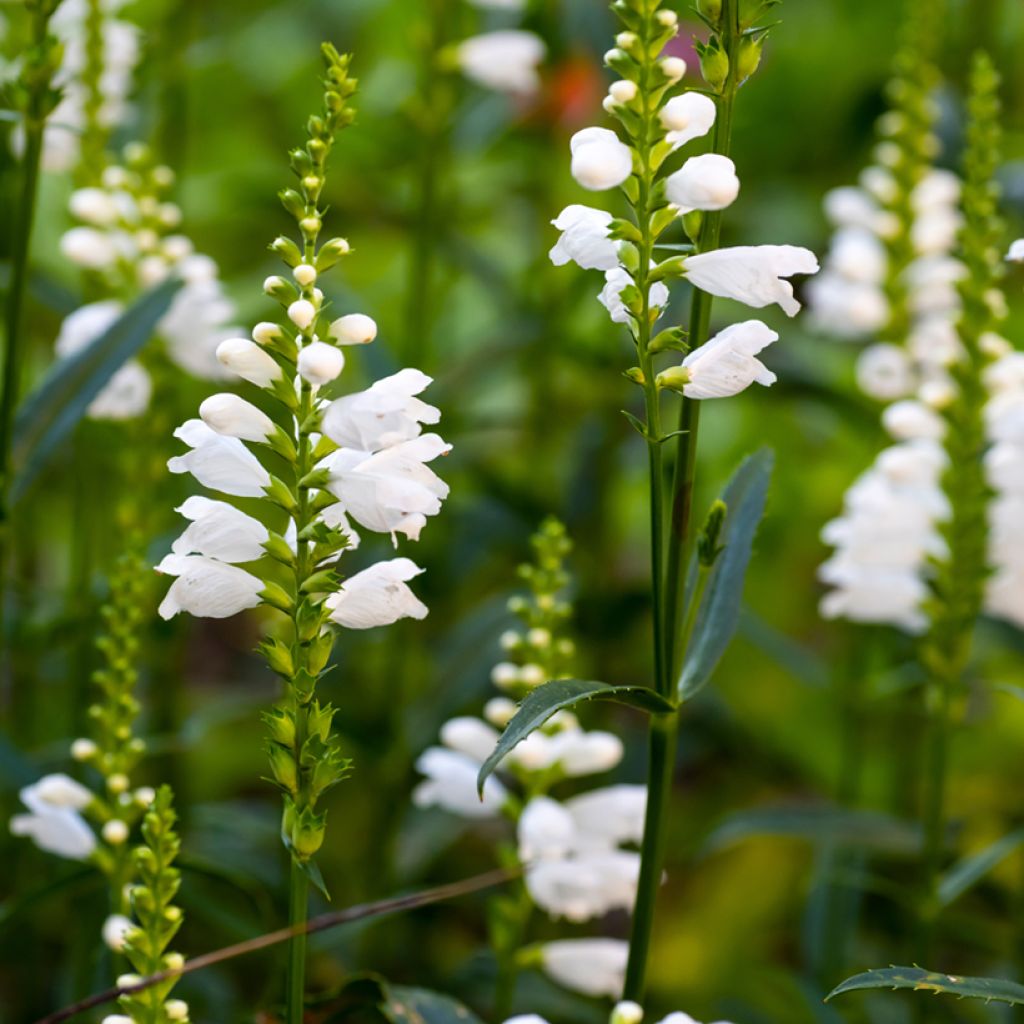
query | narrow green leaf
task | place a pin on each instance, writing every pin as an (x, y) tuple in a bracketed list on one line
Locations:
[(49, 415), (396, 1004), (540, 704), (719, 612), (869, 830), (920, 980), (969, 871)]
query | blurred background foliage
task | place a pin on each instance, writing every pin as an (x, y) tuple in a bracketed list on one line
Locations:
[(445, 192)]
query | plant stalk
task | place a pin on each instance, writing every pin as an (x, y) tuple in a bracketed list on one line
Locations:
[(298, 911)]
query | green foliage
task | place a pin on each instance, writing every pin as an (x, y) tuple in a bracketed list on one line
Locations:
[(919, 980)]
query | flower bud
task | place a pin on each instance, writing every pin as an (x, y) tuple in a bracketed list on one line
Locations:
[(302, 313), (532, 675), (330, 252), (286, 249), (115, 832), (249, 361), (309, 225), (627, 41), (279, 288), (83, 749), (115, 930), (674, 378), (627, 1013), (89, 248), (499, 711), (505, 675), (145, 795), (354, 329), (320, 363), (173, 962), (510, 640), (233, 416), (117, 783), (623, 91), (666, 18), (673, 68), (714, 66), (749, 56), (710, 10), (176, 1009), (94, 206), (304, 274)]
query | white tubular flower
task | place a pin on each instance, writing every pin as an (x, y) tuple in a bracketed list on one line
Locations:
[(611, 295), (89, 248), (95, 206), (246, 359), (115, 931), (877, 595), (752, 274), (706, 182), (207, 588), (53, 822), (193, 328), (938, 187), (611, 815), (857, 255), (354, 329), (384, 415), (884, 372), (232, 416), (595, 967), (847, 309), (580, 888), (220, 463), (600, 160), (377, 596), (586, 753), (687, 117), (1016, 251), (546, 831), (85, 325), (221, 531), (933, 340), (584, 239), (469, 736), (320, 363), (506, 60), (726, 365), (910, 420), (450, 783), (391, 491)]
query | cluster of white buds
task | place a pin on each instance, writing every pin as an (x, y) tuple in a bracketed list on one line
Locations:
[(575, 866), (504, 59), (100, 53), (623, 1013), (126, 242)]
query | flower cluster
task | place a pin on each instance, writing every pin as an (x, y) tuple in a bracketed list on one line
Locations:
[(306, 463), (125, 242), (623, 1013), (503, 59), (658, 116), (576, 867)]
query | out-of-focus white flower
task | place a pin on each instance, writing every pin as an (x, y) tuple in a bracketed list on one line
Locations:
[(221, 531), (884, 372), (384, 415), (115, 930), (207, 588), (933, 340), (610, 815), (584, 239), (687, 117), (910, 420), (377, 596), (937, 188), (1016, 251), (846, 309), (600, 159), (232, 416), (595, 967), (752, 274), (450, 783), (194, 325), (469, 736), (727, 364), (220, 463), (546, 831), (89, 248), (611, 295), (54, 823), (505, 60), (857, 255), (705, 182)]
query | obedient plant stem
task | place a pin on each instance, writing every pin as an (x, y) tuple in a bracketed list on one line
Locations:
[(298, 911)]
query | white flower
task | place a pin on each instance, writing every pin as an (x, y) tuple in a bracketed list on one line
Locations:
[(610, 815), (221, 531), (221, 463), (391, 491), (584, 239), (611, 295), (585, 886), (354, 329), (933, 340), (193, 327), (858, 255), (451, 783), (595, 967), (934, 230), (506, 60), (752, 274), (232, 416), (687, 117), (89, 248), (910, 420), (320, 363), (600, 160), (877, 595), (847, 309), (302, 313), (938, 187), (545, 831), (249, 361), (1016, 251), (53, 822), (115, 930), (469, 736), (377, 596), (726, 364), (884, 372), (706, 182), (207, 588), (384, 415), (585, 753), (94, 206)]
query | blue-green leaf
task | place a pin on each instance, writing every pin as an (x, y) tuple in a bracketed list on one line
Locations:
[(969, 871), (540, 704), (719, 612), (920, 980), (49, 415)]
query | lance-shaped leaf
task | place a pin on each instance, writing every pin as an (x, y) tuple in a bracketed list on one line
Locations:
[(49, 415), (540, 704), (920, 980), (373, 997), (969, 871), (719, 612)]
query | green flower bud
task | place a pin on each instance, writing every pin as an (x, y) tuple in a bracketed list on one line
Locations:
[(708, 548), (281, 724), (714, 65), (675, 378), (749, 56), (710, 11), (287, 250), (282, 765), (307, 834)]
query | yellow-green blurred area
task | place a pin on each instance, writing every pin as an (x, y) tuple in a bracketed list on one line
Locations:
[(445, 192)]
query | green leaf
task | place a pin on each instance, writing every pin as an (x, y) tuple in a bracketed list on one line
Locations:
[(719, 612), (540, 704), (396, 1004), (49, 415), (969, 871), (920, 980), (860, 829)]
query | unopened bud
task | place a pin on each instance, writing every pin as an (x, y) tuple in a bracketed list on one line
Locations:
[(675, 378), (304, 274), (83, 749), (673, 68), (115, 832), (354, 329)]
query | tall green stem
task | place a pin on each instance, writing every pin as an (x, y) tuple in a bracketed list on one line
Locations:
[(298, 910), (668, 576)]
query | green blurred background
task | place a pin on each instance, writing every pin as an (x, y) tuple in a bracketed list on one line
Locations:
[(754, 926)]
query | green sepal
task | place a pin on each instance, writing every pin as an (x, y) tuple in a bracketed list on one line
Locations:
[(308, 620), (661, 219), (319, 650), (624, 230), (278, 656), (320, 717), (281, 443), (708, 548), (323, 499), (280, 494), (282, 290), (333, 250), (283, 766), (276, 596), (284, 391), (278, 548), (280, 722), (322, 582), (692, 224), (623, 64), (324, 447), (293, 202), (318, 478), (307, 832), (670, 339), (674, 266), (638, 425), (629, 256), (287, 250), (631, 189)]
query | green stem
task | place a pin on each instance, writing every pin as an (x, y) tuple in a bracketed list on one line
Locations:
[(508, 954), (298, 911)]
